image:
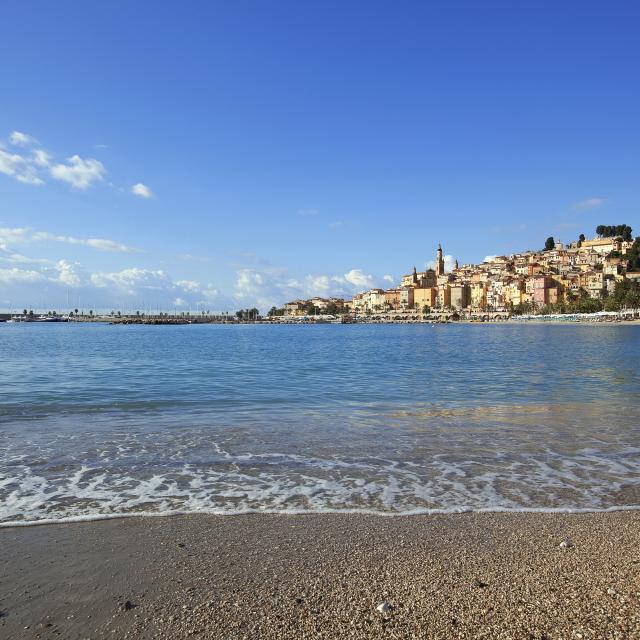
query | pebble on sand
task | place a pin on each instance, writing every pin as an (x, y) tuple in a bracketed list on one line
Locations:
[(384, 607)]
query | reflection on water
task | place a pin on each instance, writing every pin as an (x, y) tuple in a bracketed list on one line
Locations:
[(102, 420)]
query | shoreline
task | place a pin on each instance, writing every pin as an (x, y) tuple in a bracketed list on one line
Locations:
[(461, 575), (510, 320), (418, 513)]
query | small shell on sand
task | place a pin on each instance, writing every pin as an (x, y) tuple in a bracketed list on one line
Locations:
[(383, 608), (566, 544)]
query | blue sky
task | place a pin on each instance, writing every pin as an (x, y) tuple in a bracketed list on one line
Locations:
[(285, 149)]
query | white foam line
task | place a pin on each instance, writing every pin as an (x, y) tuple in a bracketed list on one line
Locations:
[(298, 512)]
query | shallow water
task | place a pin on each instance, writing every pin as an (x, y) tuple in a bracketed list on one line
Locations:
[(100, 420)]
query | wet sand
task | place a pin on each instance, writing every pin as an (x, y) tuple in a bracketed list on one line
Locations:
[(322, 576)]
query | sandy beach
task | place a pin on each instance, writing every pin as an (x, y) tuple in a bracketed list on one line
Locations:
[(491, 575)]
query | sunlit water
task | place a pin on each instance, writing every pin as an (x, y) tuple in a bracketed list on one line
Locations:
[(100, 420)]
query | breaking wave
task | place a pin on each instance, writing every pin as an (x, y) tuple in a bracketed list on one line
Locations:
[(292, 483)]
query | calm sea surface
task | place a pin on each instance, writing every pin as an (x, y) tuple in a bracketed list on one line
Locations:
[(100, 420)]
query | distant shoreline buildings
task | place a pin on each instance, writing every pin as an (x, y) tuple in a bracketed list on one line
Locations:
[(586, 272), (586, 276)]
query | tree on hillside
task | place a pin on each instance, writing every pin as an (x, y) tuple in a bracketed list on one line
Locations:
[(333, 309), (625, 295), (633, 256), (549, 244), (623, 231)]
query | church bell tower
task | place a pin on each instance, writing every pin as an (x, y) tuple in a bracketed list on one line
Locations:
[(439, 261)]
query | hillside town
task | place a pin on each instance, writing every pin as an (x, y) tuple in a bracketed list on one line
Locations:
[(602, 274)]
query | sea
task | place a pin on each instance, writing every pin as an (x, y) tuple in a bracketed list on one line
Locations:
[(102, 421)]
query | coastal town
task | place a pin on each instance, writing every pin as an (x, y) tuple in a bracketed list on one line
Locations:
[(596, 279), (585, 276)]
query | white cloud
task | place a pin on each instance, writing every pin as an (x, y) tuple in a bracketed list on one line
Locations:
[(189, 285), (449, 263), (589, 203), (263, 286), (17, 235), (248, 280), (21, 139), (271, 286), (359, 279), (78, 172), (103, 245), (253, 287), (20, 276), (388, 278), (133, 280), (262, 289), (336, 225), (22, 235), (156, 284), (105, 289), (63, 273), (308, 213), (210, 293), (11, 257), (18, 167), (141, 190), (68, 273), (318, 285), (31, 164), (41, 158)]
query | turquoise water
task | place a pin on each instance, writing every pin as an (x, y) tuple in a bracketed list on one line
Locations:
[(99, 420)]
